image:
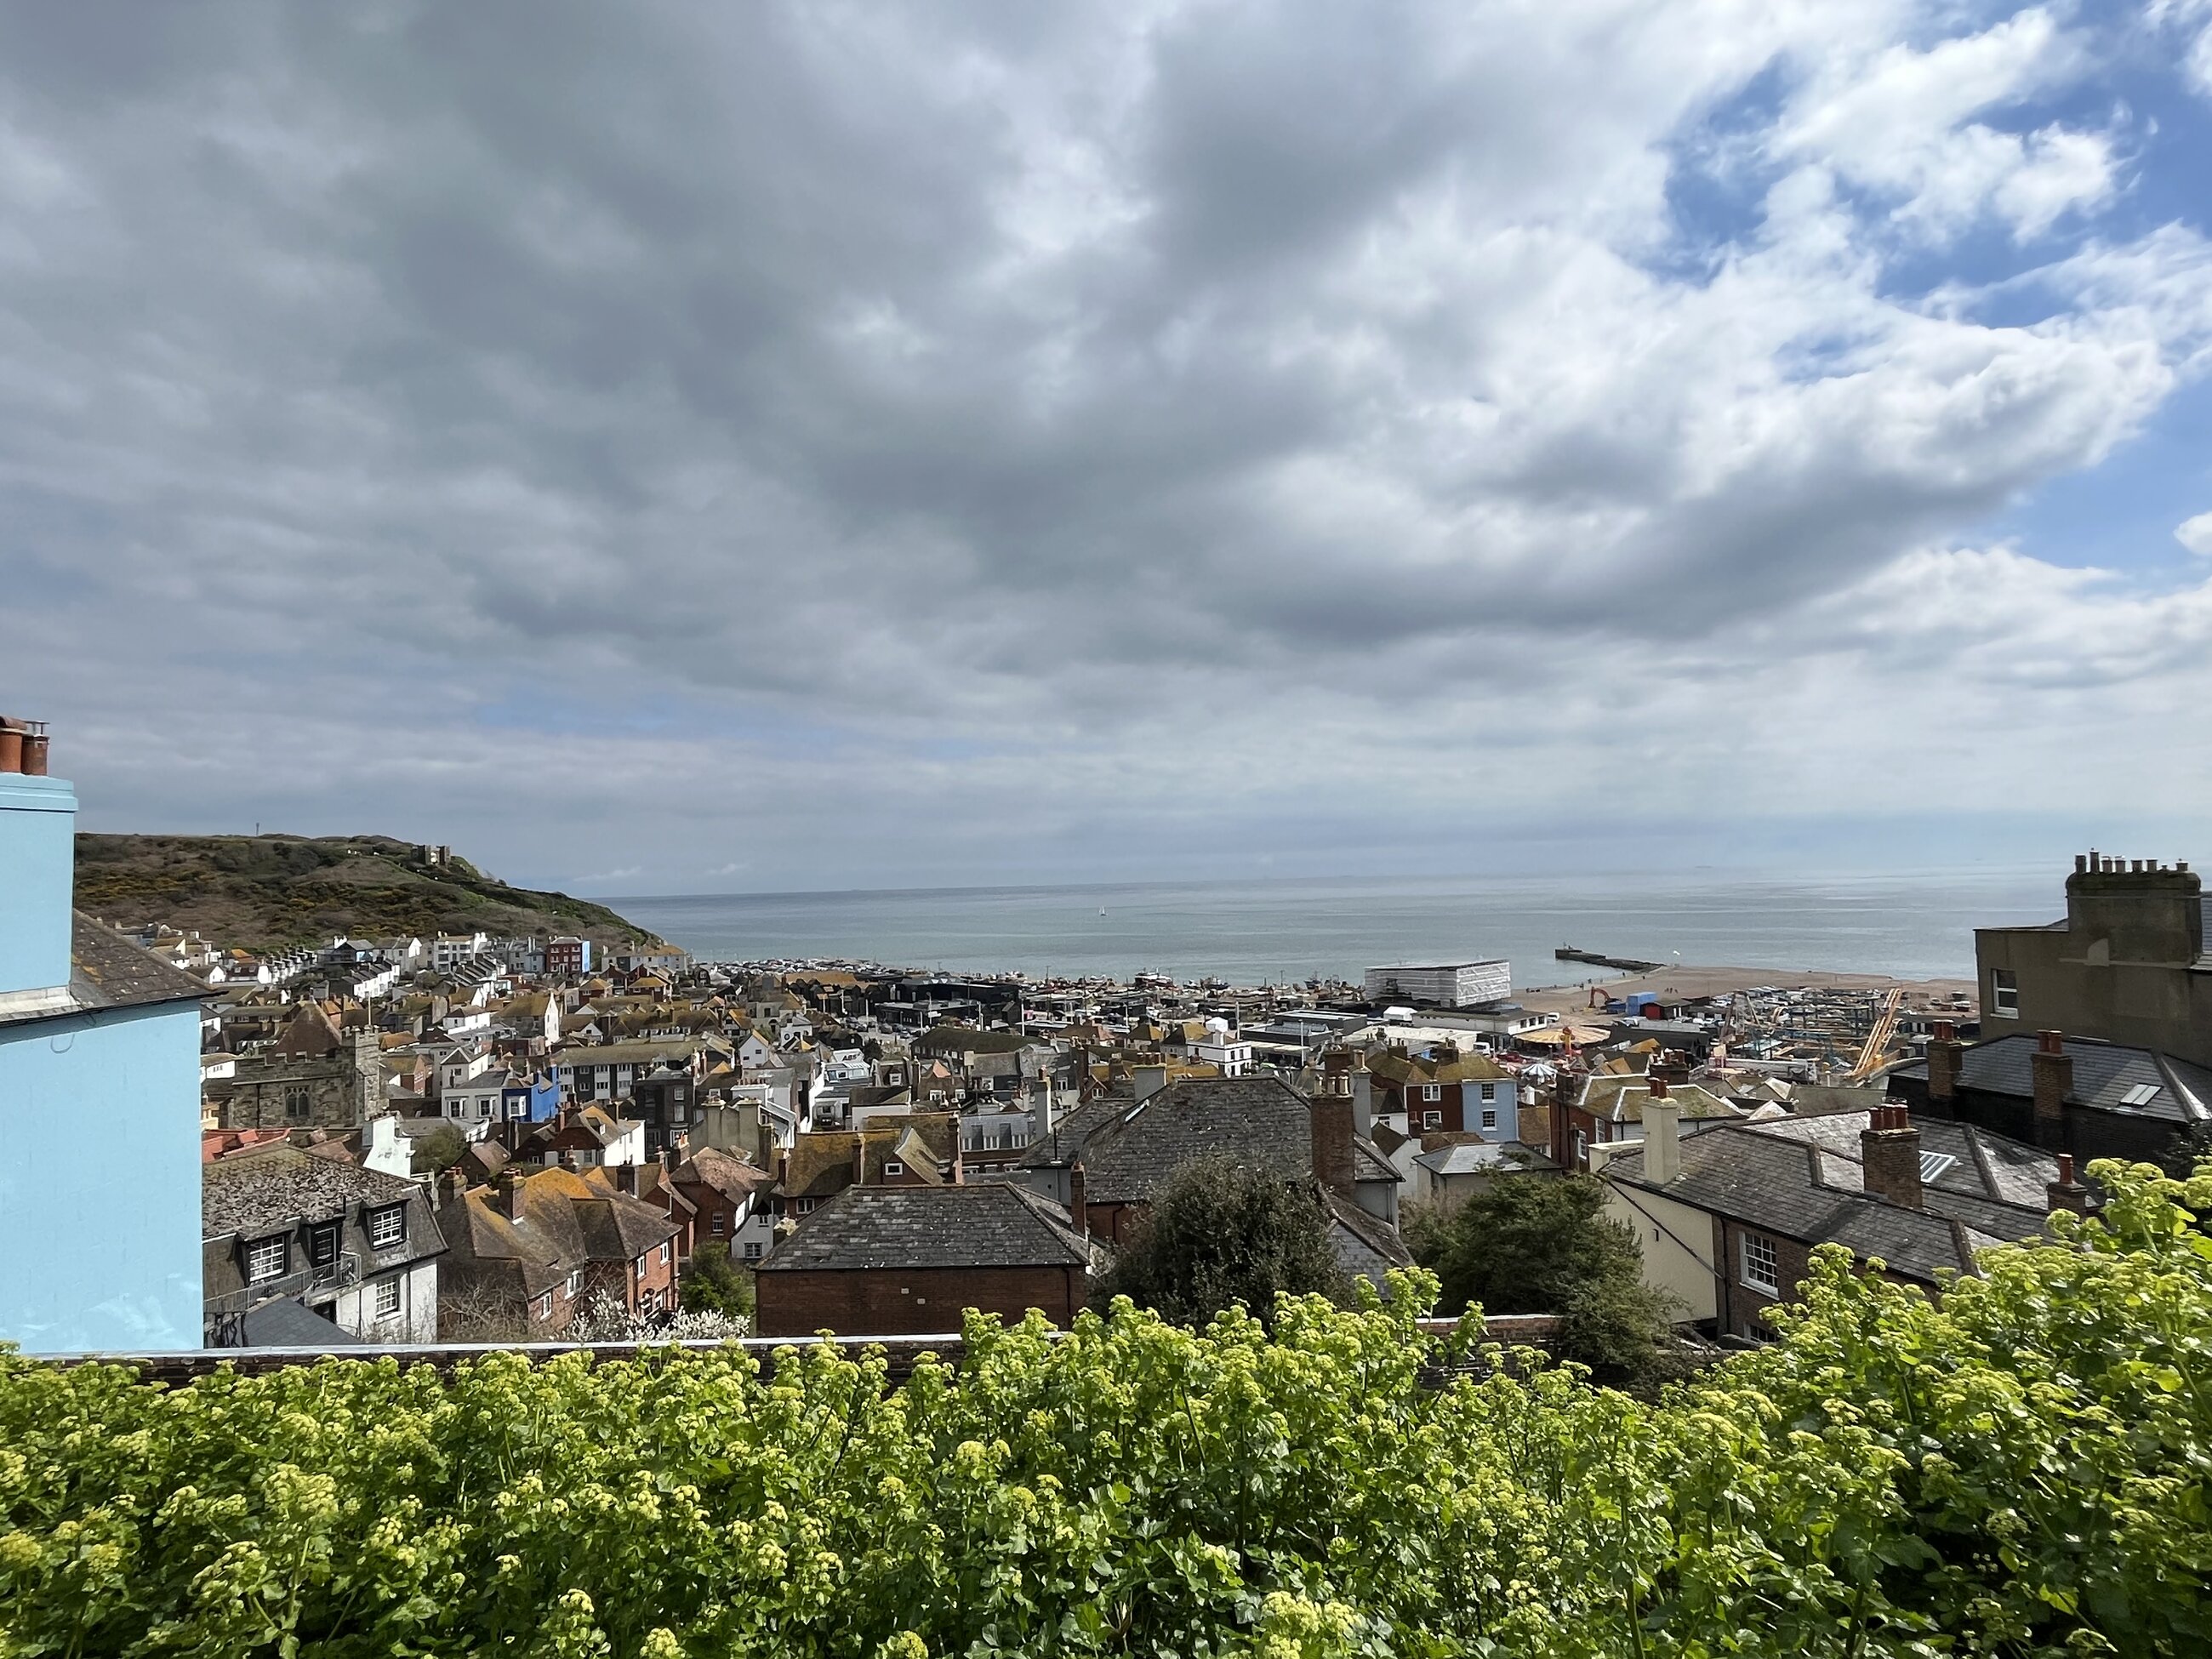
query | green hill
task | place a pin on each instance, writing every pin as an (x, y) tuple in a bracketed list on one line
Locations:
[(262, 891)]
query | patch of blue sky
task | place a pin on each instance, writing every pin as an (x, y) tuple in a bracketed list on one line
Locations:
[(2121, 514), (1717, 178)]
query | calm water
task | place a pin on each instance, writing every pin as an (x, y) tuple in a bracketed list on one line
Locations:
[(1918, 925)]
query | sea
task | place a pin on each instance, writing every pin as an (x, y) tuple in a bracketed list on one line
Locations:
[(1916, 925)]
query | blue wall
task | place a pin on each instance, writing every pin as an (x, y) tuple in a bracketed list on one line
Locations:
[(99, 1177), (38, 866)]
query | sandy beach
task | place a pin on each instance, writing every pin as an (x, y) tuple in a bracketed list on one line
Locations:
[(1684, 979)]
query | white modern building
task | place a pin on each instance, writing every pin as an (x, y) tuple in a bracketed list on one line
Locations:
[(1442, 985)]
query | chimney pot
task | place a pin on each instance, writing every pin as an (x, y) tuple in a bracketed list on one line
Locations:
[(2080, 863), (1658, 1087), (2066, 1193), (1889, 1153), (2050, 1042)]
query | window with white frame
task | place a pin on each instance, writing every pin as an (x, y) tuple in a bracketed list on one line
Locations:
[(387, 1226), (641, 1268), (1432, 1092), (752, 1252), (892, 1166), (1581, 1146), (1432, 1120), (265, 1258), (575, 1285), (722, 1223), (387, 1298), (1489, 1117), (545, 1305), (2004, 993), (664, 1255), (1762, 1268)]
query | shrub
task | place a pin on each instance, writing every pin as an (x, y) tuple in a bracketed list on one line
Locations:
[(1223, 1236), (2019, 1470)]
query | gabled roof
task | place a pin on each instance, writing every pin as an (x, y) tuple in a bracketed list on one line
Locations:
[(1792, 1176), (1392, 1066), (1261, 1122), (273, 1186), (992, 1224), (2108, 1076), (1620, 1099)]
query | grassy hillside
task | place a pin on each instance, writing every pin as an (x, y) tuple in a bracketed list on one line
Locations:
[(262, 891)]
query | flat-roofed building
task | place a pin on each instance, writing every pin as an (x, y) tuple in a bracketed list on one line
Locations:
[(1441, 985)]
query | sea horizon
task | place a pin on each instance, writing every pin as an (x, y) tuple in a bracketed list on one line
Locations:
[(1916, 924)]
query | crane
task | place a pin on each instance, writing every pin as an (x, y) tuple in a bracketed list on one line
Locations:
[(1876, 1048)]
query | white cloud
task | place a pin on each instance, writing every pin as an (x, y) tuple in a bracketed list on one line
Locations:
[(980, 414), (2196, 534)]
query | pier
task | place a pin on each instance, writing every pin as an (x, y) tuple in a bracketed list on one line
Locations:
[(1626, 964)]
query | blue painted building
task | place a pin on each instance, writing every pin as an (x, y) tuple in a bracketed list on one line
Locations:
[(99, 1108)]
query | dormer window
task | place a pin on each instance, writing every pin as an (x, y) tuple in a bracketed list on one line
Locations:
[(267, 1259), (387, 1227)]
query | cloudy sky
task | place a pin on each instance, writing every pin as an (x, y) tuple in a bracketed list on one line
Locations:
[(668, 448)]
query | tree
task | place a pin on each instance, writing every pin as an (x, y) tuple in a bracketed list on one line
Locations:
[(1223, 1235), (714, 1284), (440, 1150), (1534, 1244)]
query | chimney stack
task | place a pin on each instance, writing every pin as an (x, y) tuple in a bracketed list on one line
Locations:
[(510, 1195), (1662, 1134), (1944, 1059), (1078, 1208), (1331, 1118), (1890, 1148), (626, 1179), (2066, 1193), (1149, 1080), (2052, 1068)]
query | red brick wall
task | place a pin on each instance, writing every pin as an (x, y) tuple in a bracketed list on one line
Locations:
[(896, 1301)]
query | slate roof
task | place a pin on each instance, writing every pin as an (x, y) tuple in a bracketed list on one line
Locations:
[(1072, 1131), (992, 1224), (287, 1322), (1366, 1246), (107, 970), (1261, 1122), (1620, 1099), (1467, 1157), (1792, 1178), (273, 1187), (2104, 1073)]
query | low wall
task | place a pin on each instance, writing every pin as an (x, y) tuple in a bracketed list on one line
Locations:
[(900, 1352)]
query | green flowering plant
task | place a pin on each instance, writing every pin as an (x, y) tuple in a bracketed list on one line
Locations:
[(2019, 1467)]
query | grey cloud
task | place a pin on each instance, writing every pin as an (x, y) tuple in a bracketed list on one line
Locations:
[(1000, 372)]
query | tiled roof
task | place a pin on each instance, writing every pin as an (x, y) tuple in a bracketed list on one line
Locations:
[(2104, 1074), (1261, 1122), (107, 970), (270, 1188), (1621, 1099), (1072, 1129), (1793, 1178), (1394, 1068), (992, 1224)]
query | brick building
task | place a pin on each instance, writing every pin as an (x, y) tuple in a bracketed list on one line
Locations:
[(529, 1251), (2064, 1094), (1727, 1218), (904, 1261)]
